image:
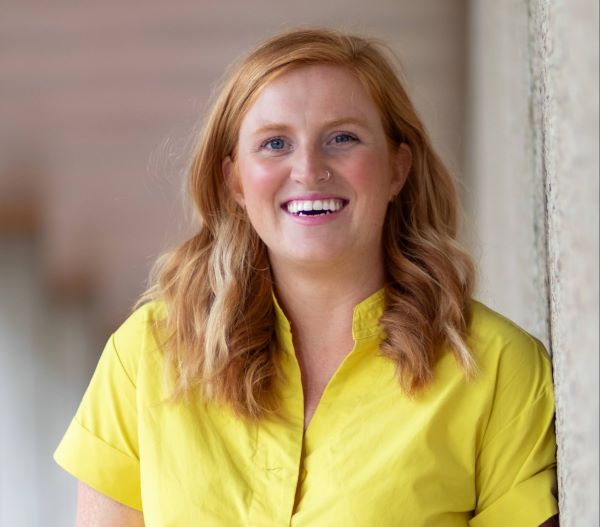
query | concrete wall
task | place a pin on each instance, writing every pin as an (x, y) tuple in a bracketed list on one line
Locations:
[(566, 75), (533, 166), (504, 190)]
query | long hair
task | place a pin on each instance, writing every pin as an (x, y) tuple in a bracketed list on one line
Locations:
[(217, 287)]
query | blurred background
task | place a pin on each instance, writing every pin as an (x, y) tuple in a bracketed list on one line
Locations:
[(99, 104)]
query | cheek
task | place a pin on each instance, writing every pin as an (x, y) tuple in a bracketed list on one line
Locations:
[(260, 183), (370, 175)]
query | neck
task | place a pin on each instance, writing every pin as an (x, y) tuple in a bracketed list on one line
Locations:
[(319, 303)]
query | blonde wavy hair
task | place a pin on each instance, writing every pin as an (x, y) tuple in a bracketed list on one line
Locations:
[(217, 286)]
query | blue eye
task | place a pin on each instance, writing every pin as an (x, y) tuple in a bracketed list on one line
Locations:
[(344, 138), (277, 143)]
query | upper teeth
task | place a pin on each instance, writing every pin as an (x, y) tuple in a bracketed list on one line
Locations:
[(331, 205)]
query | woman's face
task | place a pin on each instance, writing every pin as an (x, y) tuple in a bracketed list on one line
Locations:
[(314, 170)]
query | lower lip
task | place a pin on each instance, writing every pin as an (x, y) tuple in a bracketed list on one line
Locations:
[(314, 220)]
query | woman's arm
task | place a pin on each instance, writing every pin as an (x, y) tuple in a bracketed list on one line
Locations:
[(97, 510), (552, 522)]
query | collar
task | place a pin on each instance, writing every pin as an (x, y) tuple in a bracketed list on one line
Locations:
[(365, 318)]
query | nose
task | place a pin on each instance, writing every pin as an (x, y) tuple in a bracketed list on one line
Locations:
[(309, 167)]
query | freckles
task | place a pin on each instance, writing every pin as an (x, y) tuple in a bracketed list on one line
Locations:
[(366, 171), (261, 182), (266, 173), (263, 175)]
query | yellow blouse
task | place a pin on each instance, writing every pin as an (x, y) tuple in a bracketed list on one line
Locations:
[(478, 453)]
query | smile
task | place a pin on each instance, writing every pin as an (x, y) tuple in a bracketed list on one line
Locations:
[(317, 207)]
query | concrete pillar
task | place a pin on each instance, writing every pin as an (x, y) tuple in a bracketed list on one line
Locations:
[(533, 170), (565, 76)]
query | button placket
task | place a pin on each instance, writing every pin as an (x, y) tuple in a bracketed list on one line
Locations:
[(278, 454)]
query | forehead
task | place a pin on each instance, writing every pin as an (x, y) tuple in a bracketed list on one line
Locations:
[(311, 94)]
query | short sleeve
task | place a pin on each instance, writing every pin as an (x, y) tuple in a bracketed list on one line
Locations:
[(100, 446), (516, 465)]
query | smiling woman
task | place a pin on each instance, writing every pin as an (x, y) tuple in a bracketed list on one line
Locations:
[(313, 356)]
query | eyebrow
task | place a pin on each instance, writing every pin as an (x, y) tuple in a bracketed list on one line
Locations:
[(271, 127), (278, 127), (347, 120)]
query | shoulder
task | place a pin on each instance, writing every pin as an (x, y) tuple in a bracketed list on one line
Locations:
[(143, 317), (516, 444), (492, 333), (140, 335), (507, 356)]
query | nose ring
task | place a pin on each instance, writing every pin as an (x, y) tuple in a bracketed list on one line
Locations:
[(327, 176)]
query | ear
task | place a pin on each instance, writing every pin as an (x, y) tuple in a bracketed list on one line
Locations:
[(232, 180), (401, 169)]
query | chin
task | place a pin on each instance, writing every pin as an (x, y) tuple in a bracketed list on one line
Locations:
[(310, 257)]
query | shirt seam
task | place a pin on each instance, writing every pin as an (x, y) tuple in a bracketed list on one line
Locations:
[(114, 346), (527, 408)]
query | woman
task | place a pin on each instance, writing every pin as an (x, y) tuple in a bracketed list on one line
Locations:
[(313, 356)]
